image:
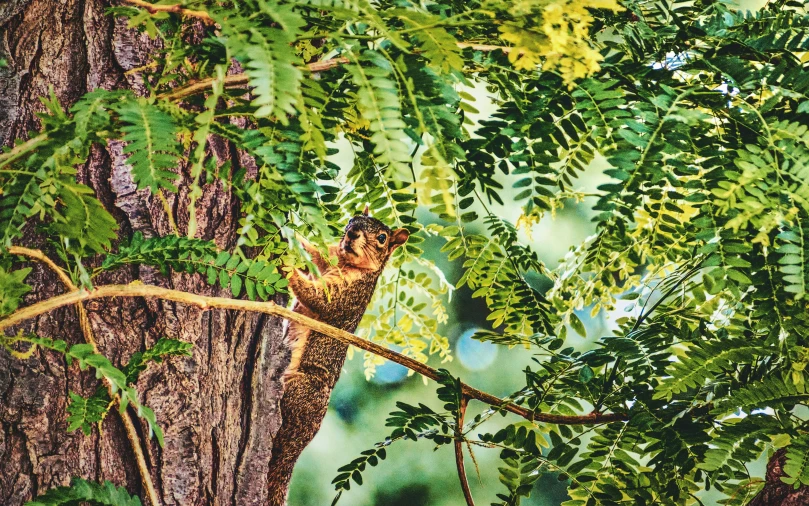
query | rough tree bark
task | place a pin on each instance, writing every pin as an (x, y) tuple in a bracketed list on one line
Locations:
[(776, 492), (218, 408)]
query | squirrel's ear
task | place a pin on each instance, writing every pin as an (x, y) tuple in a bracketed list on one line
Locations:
[(398, 237), (366, 210)]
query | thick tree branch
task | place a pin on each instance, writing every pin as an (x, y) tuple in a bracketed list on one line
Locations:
[(205, 302), (89, 337), (175, 9)]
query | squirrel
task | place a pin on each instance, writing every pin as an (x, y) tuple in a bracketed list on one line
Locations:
[(339, 298)]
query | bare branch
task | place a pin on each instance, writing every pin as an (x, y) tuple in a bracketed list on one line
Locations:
[(175, 9), (205, 302), (467, 494)]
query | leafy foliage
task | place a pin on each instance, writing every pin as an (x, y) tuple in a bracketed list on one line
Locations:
[(378, 102), (265, 53), (698, 110), (796, 467), (83, 413), (162, 349), (258, 278), (409, 423), (85, 492), (12, 288), (354, 469), (151, 145)]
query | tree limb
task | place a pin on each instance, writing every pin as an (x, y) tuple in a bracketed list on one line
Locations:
[(467, 494), (87, 331), (206, 302), (238, 80), (175, 9)]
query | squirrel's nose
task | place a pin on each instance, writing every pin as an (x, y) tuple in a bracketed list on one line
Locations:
[(353, 235)]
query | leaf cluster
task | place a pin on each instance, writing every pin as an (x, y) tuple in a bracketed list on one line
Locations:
[(85, 492)]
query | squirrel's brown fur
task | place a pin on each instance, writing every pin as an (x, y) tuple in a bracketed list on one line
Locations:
[(339, 297)]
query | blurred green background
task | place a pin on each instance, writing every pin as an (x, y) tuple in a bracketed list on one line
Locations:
[(413, 473)]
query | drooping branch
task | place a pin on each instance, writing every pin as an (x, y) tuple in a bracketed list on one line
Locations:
[(205, 302), (89, 337), (21, 149), (467, 494), (239, 80)]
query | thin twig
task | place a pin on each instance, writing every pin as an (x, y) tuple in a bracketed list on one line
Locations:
[(233, 81), (175, 9), (20, 149), (467, 494), (205, 302), (238, 80), (39, 256), (486, 48), (665, 296), (169, 214), (87, 330)]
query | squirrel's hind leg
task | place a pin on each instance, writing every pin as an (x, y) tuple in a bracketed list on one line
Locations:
[(296, 338)]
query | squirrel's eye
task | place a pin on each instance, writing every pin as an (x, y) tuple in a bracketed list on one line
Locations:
[(381, 238)]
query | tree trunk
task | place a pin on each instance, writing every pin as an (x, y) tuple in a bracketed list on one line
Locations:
[(776, 492), (218, 408)]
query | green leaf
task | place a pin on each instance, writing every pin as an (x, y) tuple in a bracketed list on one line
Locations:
[(577, 325), (82, 491), (83, 413), (378, 101), (796, 467), (162, 349), (12, 288), (267, 59), (152, 146), (83, 218), (184, 254)]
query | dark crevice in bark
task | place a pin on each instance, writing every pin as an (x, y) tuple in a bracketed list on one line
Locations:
[(215, 462), (208, 324), (98, 470), (247, 395)]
